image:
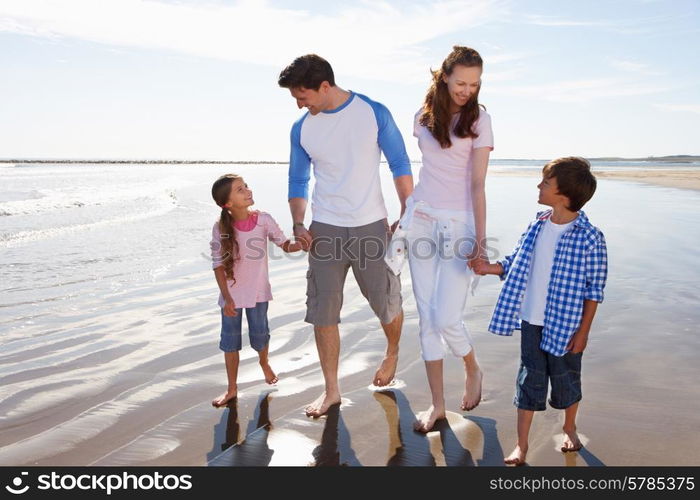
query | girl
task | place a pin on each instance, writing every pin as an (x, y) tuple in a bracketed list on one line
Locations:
[(448, 211), (239, 259)]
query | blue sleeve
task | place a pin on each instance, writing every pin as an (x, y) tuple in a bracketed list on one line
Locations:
[(596, 270), (390, 140), (507, 261), (299, 164)]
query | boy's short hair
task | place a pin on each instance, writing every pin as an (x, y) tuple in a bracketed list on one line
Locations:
[(574, 179), (308, 71)]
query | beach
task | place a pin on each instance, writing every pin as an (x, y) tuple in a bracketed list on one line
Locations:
[(109, 332), (666, 177)]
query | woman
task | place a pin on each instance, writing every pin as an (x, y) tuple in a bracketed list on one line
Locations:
[(446, 220)]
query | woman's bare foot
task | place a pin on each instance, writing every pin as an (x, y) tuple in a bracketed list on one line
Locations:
[(571, 441), (386, 371), (225, 398), (321, 405), (472, 390), (426, 419), (270, 376), (517, 456)]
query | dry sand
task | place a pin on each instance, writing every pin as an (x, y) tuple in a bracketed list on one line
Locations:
[(683, 179)]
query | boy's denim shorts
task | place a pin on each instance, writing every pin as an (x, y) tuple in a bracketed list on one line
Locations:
[(538, 368), (258, 329)]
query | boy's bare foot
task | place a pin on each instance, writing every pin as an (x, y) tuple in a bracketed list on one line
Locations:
[(322, 404), (571, 441), (224, 399), (472, 391), (270, 376), (516, 457), (386, 371), (426, 419)]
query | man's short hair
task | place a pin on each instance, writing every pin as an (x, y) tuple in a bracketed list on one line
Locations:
[(308, 71), (574, 179)]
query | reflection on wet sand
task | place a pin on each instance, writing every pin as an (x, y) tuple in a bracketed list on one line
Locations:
[(254, 450), (452, 443)]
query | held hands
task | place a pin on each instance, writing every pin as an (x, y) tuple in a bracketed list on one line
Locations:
[(230, 307), (394, 226), (482, 267), (578, 342), (302, 236)]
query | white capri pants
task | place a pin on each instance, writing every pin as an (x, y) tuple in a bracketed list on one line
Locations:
[(437, 249)]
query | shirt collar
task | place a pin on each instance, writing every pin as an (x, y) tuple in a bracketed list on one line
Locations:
[(580, 221)]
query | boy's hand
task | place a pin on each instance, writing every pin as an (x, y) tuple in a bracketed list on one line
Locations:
[(482, 267), (230, 308), (578, 342)]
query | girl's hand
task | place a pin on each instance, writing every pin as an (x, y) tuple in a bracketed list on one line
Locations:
[(230, 308)]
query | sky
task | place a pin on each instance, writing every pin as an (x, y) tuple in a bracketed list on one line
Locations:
[(197, 79)]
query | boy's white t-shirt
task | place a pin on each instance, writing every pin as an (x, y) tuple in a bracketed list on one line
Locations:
[(535, 299)]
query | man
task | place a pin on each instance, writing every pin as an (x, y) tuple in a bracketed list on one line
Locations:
[(343, 134)]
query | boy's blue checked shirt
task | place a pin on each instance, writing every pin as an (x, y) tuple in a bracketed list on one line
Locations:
[(579, 272)]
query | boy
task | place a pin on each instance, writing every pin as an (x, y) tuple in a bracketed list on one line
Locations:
[(554, 280)]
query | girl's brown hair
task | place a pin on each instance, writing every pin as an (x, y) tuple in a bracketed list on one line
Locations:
[(221, 191), (436, 115)]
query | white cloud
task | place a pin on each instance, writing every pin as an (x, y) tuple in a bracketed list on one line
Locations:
[(688, 108), (581, 90), (373, 39), (541, 20), (634, 67)]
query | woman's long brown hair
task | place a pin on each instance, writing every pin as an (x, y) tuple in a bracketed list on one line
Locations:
[(436, 115), (221, 191)]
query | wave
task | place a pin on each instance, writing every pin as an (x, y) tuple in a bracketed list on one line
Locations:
[(39, 201), (14, 239)]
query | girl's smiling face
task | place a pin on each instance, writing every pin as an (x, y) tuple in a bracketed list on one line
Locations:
[(241, 196)]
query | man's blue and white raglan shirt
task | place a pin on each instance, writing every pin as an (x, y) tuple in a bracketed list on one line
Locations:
[(345, 146)]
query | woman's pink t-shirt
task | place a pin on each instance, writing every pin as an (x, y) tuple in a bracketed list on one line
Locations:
[(252, 283), (444, 180)]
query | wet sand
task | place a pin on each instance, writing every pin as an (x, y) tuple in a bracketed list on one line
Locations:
[(130, 382)]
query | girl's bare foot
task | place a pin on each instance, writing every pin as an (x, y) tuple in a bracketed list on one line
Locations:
[(225, 398), (270, 376), (472, 390), (517, 456), (426, 419), (571, 441), (321, 405)]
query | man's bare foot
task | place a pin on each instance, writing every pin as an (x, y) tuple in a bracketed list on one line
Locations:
[(270, 376), (571, 441), (426, 419), (386, 371), (225, 398), (322, 404), (517, 456), (472, 391)]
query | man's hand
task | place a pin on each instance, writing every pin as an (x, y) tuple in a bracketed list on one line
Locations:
[(230, 307), (303, 236), (578, 342)]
